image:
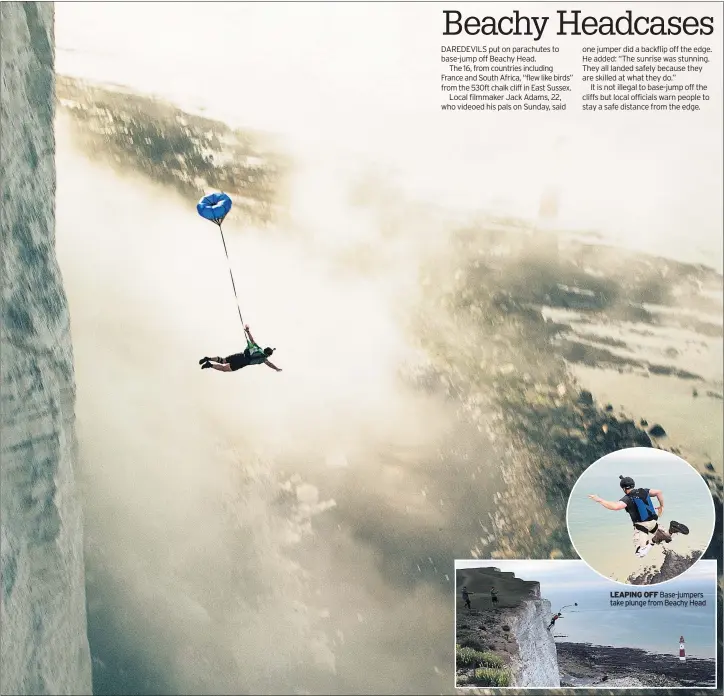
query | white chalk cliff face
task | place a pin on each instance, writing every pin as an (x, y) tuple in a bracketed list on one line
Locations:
[(515, 628), (43, 642), (536, 664)]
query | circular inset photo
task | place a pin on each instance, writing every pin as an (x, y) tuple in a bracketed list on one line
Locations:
[(640, 516)]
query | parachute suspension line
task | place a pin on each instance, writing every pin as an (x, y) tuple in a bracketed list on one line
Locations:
[(214, 208), (231, 275)]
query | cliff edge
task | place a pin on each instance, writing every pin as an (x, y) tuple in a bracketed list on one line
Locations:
[(504, 643), (672, 566), (43, 643)]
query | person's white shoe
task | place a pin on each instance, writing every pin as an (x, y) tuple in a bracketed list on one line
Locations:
[(643, 550)]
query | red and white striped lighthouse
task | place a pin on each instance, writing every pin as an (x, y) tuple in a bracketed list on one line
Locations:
[(682, 649)]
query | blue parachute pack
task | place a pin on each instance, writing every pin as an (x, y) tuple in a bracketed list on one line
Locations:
[(644, 507)]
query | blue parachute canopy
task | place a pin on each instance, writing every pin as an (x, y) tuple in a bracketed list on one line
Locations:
[(214, 207)]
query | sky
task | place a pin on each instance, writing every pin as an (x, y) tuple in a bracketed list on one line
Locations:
[(603, 537), (306, 71), (594, 621)]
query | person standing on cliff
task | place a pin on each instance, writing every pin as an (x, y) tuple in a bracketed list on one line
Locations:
[(466, 598), (494, 597), (645, 519)]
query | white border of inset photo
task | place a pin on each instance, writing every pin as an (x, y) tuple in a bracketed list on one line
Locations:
[(617, 460), (510, 565)]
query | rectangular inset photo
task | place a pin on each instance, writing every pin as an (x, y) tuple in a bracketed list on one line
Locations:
[(558, 624)]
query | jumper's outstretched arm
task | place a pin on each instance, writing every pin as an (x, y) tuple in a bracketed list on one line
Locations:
[(618, 505)]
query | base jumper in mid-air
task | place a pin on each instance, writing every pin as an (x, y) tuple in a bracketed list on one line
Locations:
[(554, 619), (644, 516), (252, 355), (214, 208)]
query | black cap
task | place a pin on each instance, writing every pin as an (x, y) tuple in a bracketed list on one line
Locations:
[(626, 482)]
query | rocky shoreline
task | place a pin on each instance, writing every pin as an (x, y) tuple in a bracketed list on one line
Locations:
[(583, 664), (182, 150), (515, 353)]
